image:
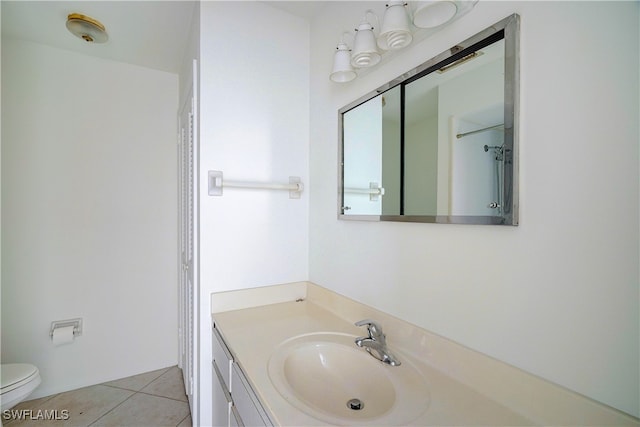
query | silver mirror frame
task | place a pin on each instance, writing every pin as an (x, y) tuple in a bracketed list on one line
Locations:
[(510, 27)]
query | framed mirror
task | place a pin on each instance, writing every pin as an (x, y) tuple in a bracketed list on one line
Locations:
[(440, 143)]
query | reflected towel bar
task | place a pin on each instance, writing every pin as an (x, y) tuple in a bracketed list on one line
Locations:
[(217, 183), (460, 135), (374, 191)]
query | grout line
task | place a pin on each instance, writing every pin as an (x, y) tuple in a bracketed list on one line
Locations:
[(103, 415), (182, 420), (166, 397), (164, 371), (147, 393), (120, 388), (132, 395)]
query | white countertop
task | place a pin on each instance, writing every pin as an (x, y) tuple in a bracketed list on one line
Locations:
[(253, 334), (466, 387)]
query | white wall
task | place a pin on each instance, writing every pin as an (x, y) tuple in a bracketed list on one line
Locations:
[(88, 214), (561, 299), (254, 126)]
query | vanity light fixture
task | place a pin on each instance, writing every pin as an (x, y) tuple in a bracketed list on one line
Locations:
[(88, 29), (342, 70), (395, 32), (365, 53), (403, 22), (431, 14)]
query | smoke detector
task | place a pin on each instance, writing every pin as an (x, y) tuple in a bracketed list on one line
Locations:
[(88, 29)]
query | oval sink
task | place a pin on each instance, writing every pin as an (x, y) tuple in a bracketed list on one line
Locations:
[(328, 377)]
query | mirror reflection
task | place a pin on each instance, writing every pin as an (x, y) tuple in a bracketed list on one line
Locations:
[(437, 146)]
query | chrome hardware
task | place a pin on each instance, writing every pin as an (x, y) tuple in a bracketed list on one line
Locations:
[(493, 205), (355, 404), (376, 343)]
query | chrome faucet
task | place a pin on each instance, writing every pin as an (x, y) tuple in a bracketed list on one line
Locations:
[(375, 343)]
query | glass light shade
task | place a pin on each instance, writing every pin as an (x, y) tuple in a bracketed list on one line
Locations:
[(430, 14), (88, 29), (342, 71), (395, 33), (365, 53)]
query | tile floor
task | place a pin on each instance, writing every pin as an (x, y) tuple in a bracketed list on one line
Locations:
[(155, 398)]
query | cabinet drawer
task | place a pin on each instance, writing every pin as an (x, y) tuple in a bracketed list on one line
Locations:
[(246, 401), (222, 403), (222, 359), (234, 418)]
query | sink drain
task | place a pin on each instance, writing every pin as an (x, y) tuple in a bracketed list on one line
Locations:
[(355, 404)]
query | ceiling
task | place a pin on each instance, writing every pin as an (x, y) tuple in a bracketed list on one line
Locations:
[(152, 34), (303, 9)]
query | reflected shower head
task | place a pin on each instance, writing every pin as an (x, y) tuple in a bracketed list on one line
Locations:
[(493, 147), (498, 150)]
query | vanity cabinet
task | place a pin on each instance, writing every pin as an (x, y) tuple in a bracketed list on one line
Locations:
[(234, 401)]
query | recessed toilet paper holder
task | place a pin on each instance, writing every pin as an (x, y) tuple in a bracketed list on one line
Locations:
[(76, 323)]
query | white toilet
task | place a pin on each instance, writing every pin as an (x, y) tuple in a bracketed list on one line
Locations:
[(18, 382)]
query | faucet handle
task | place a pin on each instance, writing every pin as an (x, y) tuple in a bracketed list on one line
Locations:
[(375, 330)]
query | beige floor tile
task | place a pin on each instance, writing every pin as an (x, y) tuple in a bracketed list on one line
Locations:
[(145, 410), (33, 402), (137, 382), (113, 403), (169, 384), (84, 406)]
